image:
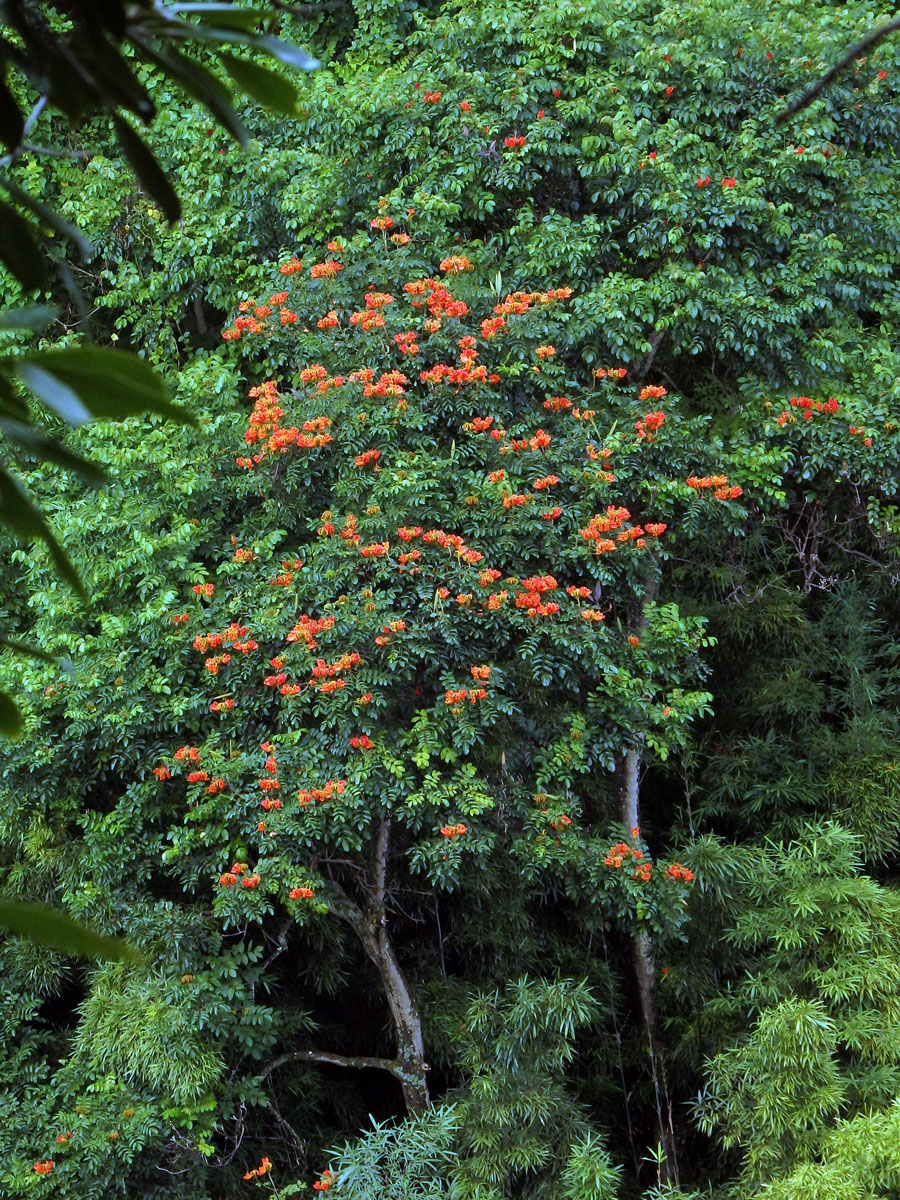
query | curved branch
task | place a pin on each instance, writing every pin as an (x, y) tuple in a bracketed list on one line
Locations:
[(357, 1062), (867, 43)]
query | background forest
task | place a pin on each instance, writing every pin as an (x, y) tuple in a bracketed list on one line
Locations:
[(485, 719)]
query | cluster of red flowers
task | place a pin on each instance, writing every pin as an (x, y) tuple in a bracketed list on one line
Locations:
[(204, 589), (363, 742), (45, 1167), (382, 224), (614, 518), (308, 629), (302, 893), (613, 373), (197, 776), (450, 831), (162, 772), (264, 425), (263, 1169), (367, 458), (438, 300), (383, 639), (291, 267), (647, 426), (455, 264), (327, 269), (620, 853), (180, 619), (221, 705), (231, 876), (329, 321), (334, 787), (323, 1184), (681, 874), (545, 351), (514, 141), (531, 596), (187, 754), (719, 484), (808, 408), (406, 342)]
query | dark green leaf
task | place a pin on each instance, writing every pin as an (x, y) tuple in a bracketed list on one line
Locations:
[(58, 396), (48, 927), (46, 214), (228, 16), (12, 123), (150, 174), (263, 84), (27, 522), (49, 449), (114, 78), (27, 651), (10, 717), (286, 52), (200, 83), (33, 317), (111, 384), (19, 250)]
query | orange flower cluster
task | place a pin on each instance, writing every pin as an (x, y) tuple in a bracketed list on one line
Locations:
[(187, 753), (514, 141), (406, 342), (291, 267), (653, 392), (301, 893), (547, 481), (325, 270), (557, 403), (231, 637), (323, 1184), (382, 224), (679, 873), (450, 831), (217, 785), (363, 742), (263, 1169), (204, 589), (551, 514), (719, 483), (334, 787), (483, 673), (384, 637), (453, 543), (649, 424), (808, 408), (367, 320), (45, 1167), (545, 351), (457, 376), (307, 630), (515, 500), (486, 578), (613, 373), (491, 326), (455, 264), (329, 321), (439, 302), (593, 614), (221, 705), (198, 777), (375, 550), (230, 878), (598, 525), (531, 596), (179, 619), (366, 458), (264, 423), (620, 853), (162, 772), (390, 383)]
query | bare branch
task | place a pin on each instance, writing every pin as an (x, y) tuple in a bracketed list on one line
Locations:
[(867, 43), (356, 1062)]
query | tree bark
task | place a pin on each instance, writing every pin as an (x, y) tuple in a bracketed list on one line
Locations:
[(370, 926), (629, 806)]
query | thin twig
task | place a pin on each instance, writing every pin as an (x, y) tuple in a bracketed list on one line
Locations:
[(867, 43)]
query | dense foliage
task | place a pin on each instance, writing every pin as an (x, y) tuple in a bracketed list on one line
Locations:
[(487, 719)]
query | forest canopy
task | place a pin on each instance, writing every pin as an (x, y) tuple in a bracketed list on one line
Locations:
[(484, 721)]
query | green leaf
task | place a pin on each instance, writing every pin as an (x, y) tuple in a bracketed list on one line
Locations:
[(150, 174), (11, 122), (10, 717), (48, 927), (19, 250), (226, 15), (46, 214), (264, 85), (200, 83), (110, 384), (33, 317), (286, 52), (41, 445), (19, 512), (58, 397), (27, 650)]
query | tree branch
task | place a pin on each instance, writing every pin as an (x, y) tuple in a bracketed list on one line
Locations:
[(356, 1062), (867, 43)]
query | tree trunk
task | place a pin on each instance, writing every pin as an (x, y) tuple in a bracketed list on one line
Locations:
[(629, 797), (370, 925)]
